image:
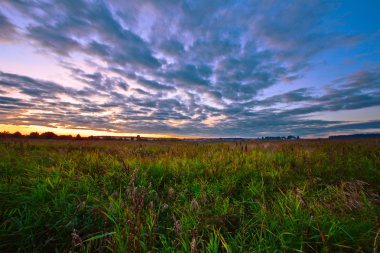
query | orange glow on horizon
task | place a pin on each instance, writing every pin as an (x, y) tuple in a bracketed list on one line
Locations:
[(25, 130)]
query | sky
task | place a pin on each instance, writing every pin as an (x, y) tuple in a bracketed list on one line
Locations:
[(217, 68)]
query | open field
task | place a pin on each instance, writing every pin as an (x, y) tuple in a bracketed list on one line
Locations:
[(100, 196)]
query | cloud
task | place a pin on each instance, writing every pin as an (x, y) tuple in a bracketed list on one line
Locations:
[(154, 85), (150, 115), (175, 66), (8, 30)]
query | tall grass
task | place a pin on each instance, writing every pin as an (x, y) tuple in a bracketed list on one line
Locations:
[(108, 196)]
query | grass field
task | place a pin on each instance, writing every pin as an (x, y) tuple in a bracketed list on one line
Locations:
[(101, 196)]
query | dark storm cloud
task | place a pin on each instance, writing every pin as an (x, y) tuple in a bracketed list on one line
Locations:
[(184, 67)]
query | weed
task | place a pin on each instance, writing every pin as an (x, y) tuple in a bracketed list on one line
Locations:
[(256, 196)]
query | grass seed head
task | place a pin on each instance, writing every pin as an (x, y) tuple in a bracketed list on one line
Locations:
[(171, 193), (193, 245), (177, 226), (75, 239), (194, 206), (165, 207)]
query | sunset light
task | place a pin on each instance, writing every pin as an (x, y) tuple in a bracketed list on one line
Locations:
[(189, 126), (192, 68)]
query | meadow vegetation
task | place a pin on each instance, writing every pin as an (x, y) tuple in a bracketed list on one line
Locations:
[(256, 196)]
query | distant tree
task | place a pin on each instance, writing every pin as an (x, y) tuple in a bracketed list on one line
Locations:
[(78, 137), (5, 134), (34, 135), (48, 135), (17, 134), (65, 136), (138, 137)]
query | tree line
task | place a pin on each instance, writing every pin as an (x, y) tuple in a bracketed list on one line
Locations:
[(52, 135), (37, 135)]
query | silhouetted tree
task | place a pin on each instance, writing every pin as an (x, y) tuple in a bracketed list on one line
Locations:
[(48, 135), (78, 137), (17, 134), (5, 134), (34, 135), (138, 137), (65, 136)]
